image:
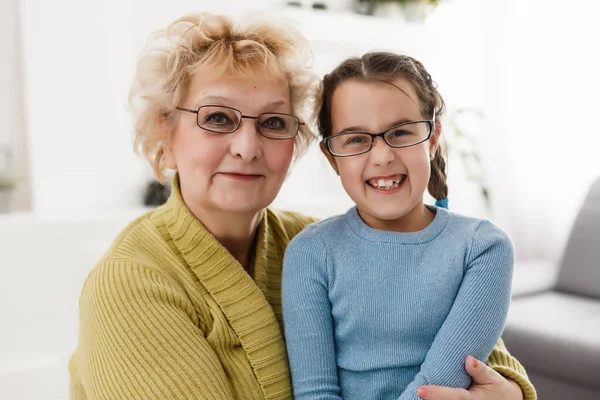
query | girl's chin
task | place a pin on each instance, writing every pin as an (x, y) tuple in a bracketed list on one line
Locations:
[(385, 213)]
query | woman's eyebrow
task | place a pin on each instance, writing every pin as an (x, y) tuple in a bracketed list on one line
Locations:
[(276, 104), (226, 101), (219, 100)]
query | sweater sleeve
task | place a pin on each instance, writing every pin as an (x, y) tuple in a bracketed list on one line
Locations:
[(307, 319), (139, 339), (478, 314), (506, 365)]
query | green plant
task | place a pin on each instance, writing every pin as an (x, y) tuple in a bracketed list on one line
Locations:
[(6, 184), (461, 128)]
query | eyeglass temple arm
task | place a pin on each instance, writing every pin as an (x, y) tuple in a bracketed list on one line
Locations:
[(187, 109)]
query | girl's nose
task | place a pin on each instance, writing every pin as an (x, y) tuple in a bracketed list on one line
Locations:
[(381, 152)]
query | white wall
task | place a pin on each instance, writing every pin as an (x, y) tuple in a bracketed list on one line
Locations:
[(77, 61), (543, 79), (529, 65), (77, 76), (12, 121)]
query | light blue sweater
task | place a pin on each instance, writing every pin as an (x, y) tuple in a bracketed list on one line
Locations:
[(372, 314)]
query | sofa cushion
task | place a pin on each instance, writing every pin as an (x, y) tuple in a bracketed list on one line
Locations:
[(558, 335), (580, 267)]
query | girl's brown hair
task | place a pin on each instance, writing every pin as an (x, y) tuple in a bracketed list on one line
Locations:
[(382, 66)]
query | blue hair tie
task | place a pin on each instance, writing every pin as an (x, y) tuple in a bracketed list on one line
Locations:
[(442, 203)]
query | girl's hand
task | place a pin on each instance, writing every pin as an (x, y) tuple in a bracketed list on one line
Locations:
[(487, 385)]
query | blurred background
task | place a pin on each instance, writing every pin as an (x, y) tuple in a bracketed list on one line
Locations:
[(520, 79)]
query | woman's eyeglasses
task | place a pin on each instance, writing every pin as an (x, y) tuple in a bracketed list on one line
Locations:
[(226, 120)]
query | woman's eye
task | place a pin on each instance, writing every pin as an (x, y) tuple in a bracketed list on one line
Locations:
[(274, 123), (218, 119)]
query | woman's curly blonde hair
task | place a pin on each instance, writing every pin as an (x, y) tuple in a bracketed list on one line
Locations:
[(216, 44)]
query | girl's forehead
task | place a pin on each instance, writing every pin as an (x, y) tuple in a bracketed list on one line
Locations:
[(376, 95), (373, 105)]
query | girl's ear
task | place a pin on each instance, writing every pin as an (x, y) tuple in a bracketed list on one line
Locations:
[(434, 141), (166, 133), (330, 158)]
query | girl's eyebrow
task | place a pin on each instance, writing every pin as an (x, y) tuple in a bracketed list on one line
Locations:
[(361, 128)]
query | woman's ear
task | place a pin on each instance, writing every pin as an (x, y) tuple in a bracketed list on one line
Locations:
[(166, 133), (434, 141), (329, 157)]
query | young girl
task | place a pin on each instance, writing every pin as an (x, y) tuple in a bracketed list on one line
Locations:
[(394, 294)]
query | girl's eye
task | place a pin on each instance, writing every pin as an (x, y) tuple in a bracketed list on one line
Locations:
[(218, 118), (355, 139), (274, 123), (400, 132)]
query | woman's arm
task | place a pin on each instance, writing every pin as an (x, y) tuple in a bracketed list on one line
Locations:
[(487, 385), (139, 340), (307, 319), (510, 368), (477, 316)]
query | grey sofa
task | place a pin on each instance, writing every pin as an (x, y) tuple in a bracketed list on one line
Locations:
[(555, 332)]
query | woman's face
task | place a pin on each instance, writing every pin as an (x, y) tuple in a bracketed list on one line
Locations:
[(386, 183), (241, 172)]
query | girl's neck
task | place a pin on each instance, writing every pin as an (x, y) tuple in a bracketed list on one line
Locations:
[(417, 219)]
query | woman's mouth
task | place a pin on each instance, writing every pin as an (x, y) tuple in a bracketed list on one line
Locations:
[(386, 183), (242, 177)]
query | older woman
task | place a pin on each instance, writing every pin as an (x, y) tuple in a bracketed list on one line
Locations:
[(186, 302)]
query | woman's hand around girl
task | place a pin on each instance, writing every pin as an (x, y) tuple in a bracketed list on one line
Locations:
[(487, 385)]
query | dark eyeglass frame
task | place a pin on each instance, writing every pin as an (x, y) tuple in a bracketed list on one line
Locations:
[(430, 124), (242, 116)]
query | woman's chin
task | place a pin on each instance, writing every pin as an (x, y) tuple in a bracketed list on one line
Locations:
[(242, 205)]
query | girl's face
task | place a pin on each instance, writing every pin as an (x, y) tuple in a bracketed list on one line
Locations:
[(241, 172), (375, 107)]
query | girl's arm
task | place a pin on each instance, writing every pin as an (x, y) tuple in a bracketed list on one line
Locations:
[(478, 314), (307, 319)]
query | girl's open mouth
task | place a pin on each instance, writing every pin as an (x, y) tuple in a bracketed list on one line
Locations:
[(390, 183)]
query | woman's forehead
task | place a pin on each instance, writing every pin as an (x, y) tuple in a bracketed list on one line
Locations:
[(235, 91)]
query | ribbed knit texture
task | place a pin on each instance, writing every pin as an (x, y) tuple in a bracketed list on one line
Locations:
[(373, 314), (168, 313)]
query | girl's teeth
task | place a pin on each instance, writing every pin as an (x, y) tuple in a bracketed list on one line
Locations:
[(389, 184)]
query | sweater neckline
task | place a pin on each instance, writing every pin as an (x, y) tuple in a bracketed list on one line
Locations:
[(375, 235), (240, 298)]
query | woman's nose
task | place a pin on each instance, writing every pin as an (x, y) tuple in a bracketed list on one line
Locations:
[(246, 142), (381, 152)]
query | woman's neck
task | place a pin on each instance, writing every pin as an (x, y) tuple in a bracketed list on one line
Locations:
[(237, 232)]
